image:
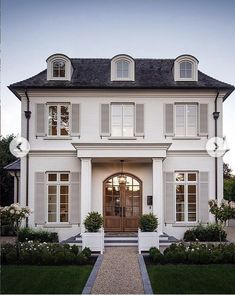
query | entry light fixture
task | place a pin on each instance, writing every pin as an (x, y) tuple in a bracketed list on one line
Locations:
[(122, 176)]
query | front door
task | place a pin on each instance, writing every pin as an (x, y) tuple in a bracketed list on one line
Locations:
[(122, 203)]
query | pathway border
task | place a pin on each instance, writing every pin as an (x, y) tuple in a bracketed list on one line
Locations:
[(144, 275), (92, 277)]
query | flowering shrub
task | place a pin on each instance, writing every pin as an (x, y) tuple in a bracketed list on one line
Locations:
[(194, 253), (13, 215), (44, 254)]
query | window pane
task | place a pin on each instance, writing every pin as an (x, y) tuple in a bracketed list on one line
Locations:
[(51, 217), (192, 176), (59, 68), (52, 177), (52, 120), (192, 120), (192, 217), (179, 216), (122, 69), (179, 177), (180, 120), (64, 177), (185, 70), (64, 120), (116, 120), (128, 120)]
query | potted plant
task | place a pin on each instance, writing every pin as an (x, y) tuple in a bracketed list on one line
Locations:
[(93, 237), (147, 234)]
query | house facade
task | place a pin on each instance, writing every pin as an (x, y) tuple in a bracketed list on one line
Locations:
[(123, 137)]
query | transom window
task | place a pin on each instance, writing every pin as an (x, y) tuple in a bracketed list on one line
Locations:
[(186, 196), (58, 120), (185, 69), (122, 69), (58, 197), (122, 120), (186, 119), (59, 68)]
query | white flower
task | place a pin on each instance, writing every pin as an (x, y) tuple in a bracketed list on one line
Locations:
[(12, 211), (17, 212)]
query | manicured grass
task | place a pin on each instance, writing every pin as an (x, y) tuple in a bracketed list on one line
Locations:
[(192, 279), (44, 279)]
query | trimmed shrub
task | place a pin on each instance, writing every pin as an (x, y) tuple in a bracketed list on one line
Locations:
[(148, 222), (29, 234), (209, 233), (93, 222), (44, 254)]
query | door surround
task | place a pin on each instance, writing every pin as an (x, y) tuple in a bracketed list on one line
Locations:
[(123, 223)]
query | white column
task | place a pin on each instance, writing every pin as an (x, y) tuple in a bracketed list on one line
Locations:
[(158, 192), (85, 189)]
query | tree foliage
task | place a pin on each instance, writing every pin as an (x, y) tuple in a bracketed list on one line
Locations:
[(6, 181), (227, 171), (229, 189)]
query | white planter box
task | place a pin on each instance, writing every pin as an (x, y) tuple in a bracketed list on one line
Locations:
[(146, 240), (94, 241)]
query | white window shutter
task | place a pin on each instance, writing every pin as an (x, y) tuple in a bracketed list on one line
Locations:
[(139, 120), (40, 119), (169, 207), (203, 197), (75, 120), (75, 198), (105, 120), (203, 119), (40, 203), (169, 119)]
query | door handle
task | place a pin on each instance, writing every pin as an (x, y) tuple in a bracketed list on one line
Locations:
[(124, 211)]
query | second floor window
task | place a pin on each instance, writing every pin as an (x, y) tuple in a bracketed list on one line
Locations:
[(185, 70), (58, 120), (122, 69), (122, 120), (186, 119)]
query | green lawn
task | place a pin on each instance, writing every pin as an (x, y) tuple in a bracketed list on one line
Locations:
[(192, 279), (44, 279)]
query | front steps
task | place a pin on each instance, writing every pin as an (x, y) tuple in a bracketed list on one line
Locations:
[(122, 240)]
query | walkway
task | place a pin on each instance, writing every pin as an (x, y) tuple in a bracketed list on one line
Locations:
[(119, 272)]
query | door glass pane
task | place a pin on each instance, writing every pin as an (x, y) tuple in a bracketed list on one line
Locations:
[(52, 203), (180, 120), (52, 120)]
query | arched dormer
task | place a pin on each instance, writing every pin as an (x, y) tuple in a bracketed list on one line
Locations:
[(59, 67), (122, 68), (186, 68)]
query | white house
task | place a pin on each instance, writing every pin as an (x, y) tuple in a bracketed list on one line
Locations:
[(123, 137)]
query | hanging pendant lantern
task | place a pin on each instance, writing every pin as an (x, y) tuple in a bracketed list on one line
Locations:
[(122, 176)]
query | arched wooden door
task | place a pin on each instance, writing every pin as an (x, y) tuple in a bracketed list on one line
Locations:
[(122, 203)]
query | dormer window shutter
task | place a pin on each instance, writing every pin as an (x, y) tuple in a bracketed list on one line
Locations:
[(75, 120), (203, 119), (105, 120), (169, 119), (139, 120), (40, 119)]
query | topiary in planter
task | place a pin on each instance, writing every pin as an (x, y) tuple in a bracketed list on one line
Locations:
[(148, 222), (93, 222)]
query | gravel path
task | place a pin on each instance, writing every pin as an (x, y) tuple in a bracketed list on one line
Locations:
[(119, 272)]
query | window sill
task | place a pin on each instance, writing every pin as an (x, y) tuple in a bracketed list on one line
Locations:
[(57, 138), (187, 224), (121, 138), (57, 225), (186, 138)]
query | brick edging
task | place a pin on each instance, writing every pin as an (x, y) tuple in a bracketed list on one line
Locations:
[(92, 277)]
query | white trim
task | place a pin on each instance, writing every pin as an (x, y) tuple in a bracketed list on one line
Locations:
[(115, 60), (68, 67), (185, 58)]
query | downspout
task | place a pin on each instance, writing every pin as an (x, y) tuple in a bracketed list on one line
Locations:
[(27, 116), (216, 117), (17, 187)]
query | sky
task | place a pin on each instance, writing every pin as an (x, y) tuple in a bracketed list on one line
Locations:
[(32, 30)]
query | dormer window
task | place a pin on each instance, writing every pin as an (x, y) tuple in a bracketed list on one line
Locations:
[(185, 68), (122, 68), (59, 67)]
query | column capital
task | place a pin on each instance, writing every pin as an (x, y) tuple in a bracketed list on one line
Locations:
[(157, 159)]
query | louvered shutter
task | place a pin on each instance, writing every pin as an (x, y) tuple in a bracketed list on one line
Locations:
[(203, 197), (75, 120), (105, 120), (75, 198), (169, 208), (139, 120), (40, 119), (203, 119), (169, 119), (40, 204)]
